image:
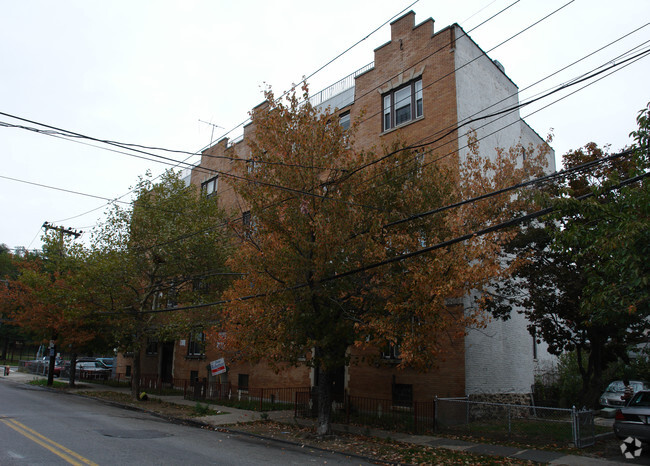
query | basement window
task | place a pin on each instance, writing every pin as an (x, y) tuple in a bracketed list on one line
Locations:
[(242, 382), (402, 394)]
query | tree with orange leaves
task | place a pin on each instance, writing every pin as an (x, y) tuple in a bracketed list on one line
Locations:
[(324, 214), (43, 299)]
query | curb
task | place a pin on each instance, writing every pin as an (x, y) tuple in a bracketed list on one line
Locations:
[(225, 429)]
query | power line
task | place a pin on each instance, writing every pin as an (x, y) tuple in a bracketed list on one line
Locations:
[(439, 158), (554, 73), (174, 162), (492, 115), (134, 147), (464, 34), (573, 83), (40, 185), (320, 69), (499, 226), (533, 182), (177, 162)]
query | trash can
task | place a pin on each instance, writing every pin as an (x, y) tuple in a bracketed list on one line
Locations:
[(6, 370)]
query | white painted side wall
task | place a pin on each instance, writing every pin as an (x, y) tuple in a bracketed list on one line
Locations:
[(483, 89), (499, 358)]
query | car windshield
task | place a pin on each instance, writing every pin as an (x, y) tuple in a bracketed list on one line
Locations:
[(616, 387), (641, 399)]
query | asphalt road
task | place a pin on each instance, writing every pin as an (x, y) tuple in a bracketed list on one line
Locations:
[(43, 427)]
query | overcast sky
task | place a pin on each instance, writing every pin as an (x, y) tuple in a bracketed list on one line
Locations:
[(147, 71)]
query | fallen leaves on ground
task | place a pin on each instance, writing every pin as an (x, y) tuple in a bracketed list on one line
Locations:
[(381, 450)]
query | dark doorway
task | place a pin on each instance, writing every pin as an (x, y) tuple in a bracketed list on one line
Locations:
[(167, 362), (338, 385)]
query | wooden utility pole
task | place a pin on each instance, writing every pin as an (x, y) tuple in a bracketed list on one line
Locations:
[(52, 347)]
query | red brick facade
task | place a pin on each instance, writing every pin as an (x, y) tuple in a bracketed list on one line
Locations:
[(413, 52)]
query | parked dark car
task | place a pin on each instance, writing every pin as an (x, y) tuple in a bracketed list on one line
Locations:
[(612, 398), (633, 420)]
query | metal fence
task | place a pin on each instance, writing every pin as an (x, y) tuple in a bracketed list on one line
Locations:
[(339, 86), (259, 399), (452, 416), (416, 417), (524, 423), (34, 367)]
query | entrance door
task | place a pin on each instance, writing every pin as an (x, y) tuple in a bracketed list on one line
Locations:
[(167, 362)]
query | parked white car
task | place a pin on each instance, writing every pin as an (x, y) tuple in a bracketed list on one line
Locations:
[(612, 398), (93, 370)]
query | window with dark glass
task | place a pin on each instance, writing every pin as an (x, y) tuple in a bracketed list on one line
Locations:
[(196, 344), (242, 381), (152, 346), (248, 223), (402, 104), (344, 120), (391, 352), (402, 394), (209, 187)]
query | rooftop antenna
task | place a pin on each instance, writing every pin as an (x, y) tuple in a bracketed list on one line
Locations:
[(213, 127)]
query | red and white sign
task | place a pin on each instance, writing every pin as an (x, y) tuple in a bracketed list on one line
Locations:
[(217, 367)]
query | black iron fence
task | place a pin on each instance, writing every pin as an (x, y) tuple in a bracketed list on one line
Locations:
[(259, 399), (416, 416), (451, 416)]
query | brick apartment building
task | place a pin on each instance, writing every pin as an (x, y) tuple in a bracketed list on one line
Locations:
[(420, 84)]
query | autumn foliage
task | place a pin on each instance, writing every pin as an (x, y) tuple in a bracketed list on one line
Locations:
[(41, 299), (319, 225)]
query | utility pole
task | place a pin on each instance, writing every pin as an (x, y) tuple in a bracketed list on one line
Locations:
[(62, 230), (52, 347)]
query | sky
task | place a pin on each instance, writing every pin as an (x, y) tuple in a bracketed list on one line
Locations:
[(154, 72)]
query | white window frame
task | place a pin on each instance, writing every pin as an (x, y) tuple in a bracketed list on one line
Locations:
[(209, 187), (406, 100), (391, 353), (196, 344)]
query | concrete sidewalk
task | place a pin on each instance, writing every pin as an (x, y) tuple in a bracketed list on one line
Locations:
[(234, 416)]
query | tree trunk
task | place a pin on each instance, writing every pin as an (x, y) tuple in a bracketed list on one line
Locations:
[(137, 349), (596, 362), (50, 373), (135, 374), (324, 391), (5, 348), (73, 369)]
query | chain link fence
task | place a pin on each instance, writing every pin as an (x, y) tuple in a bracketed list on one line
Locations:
[(521, 423)]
